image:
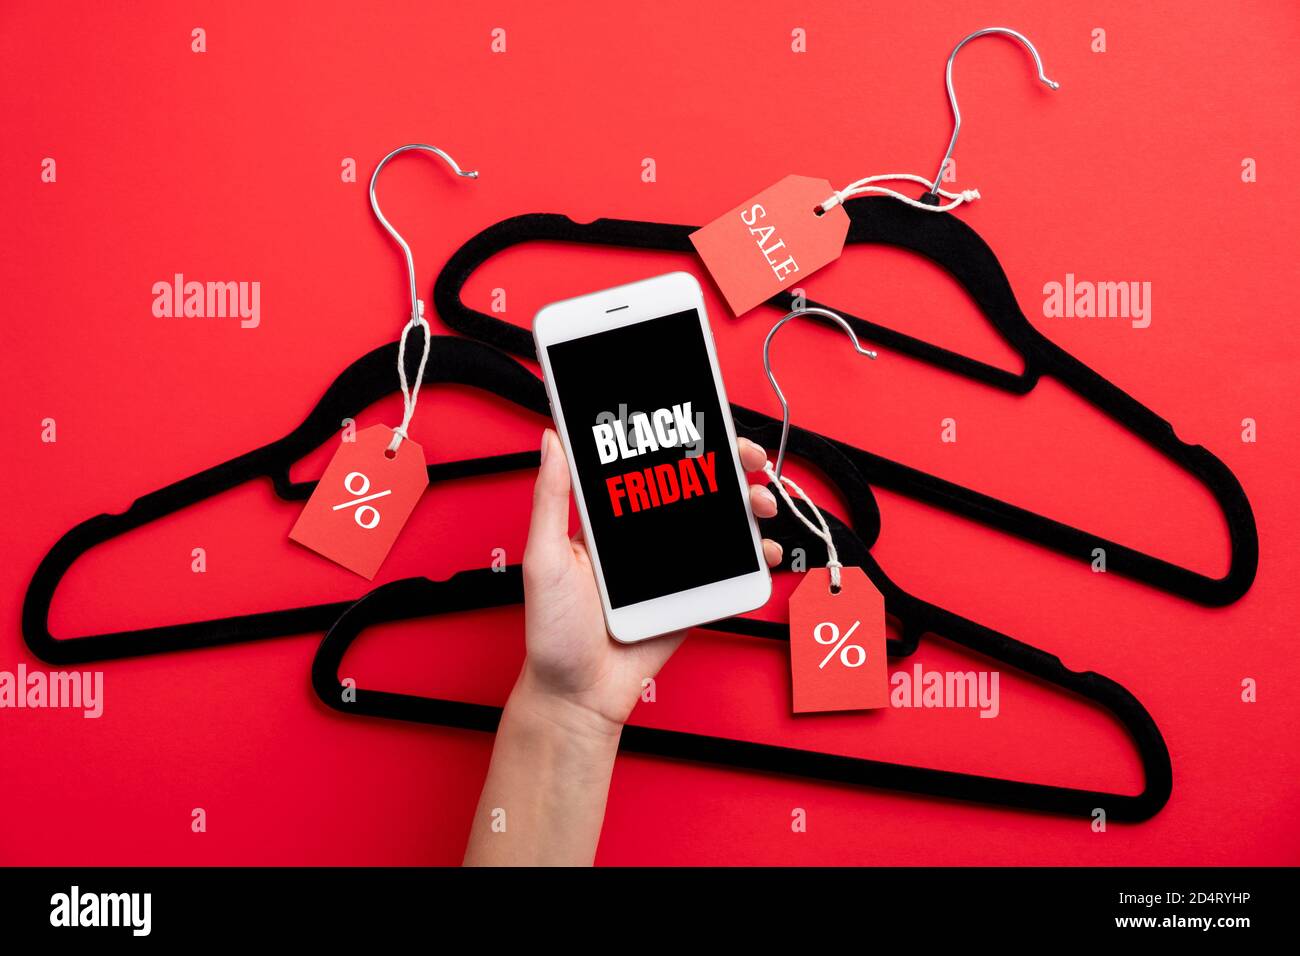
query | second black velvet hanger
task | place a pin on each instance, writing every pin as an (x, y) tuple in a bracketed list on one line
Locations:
[(951, 244), (925, 228)]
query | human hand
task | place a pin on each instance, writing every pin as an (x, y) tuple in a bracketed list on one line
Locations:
[(587, 679), (559, 731)]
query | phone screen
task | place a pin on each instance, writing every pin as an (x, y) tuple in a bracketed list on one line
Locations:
[(651, 451)]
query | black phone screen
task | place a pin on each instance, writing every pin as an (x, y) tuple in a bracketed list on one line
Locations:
[(651, 451)]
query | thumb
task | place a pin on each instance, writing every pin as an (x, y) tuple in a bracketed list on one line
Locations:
[(548, 532)]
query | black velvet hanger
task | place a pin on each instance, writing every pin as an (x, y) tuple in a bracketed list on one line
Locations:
[(364, 382), (468, 362), (954, 246), (485, 588), (451, 360)]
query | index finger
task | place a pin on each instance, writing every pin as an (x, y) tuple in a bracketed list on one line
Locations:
[(752, 456)]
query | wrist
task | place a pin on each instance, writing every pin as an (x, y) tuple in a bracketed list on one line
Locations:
[(550, 771), (551, 711)]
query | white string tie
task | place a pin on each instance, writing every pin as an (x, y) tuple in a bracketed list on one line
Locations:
[(412, 393), (867, 185), (823, 532)]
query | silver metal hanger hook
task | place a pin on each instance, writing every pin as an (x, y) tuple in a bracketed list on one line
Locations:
[(416, 306), (952, 95), (767, 366)]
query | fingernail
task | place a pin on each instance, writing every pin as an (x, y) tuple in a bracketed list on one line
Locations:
[(767, 496), (546, 441)]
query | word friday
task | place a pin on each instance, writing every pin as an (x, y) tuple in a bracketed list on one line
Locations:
[(211, 300), (660, 484), (663, 484)]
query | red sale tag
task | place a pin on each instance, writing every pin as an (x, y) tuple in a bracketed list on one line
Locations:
[(363, 499), (837, 643), (772, 241)]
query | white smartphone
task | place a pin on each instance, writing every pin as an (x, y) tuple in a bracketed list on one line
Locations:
[(638, 402)]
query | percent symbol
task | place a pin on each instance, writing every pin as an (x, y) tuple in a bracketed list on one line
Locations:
[(840, 643), (359, 503)]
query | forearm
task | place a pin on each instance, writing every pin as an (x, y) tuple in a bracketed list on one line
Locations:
[(544, 798)]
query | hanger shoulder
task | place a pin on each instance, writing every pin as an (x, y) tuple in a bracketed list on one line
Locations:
[(956, 247), (393, 600), (452, 360)]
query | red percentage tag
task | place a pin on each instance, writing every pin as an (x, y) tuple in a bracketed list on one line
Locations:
[(837, 643), (363, 500)]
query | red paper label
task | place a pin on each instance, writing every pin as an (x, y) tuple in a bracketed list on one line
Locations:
[(363, 499), (837, 643), (772, 241)]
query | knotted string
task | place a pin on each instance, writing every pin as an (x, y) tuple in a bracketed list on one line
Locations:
[(412, 393), (821, 529), (863, 186)]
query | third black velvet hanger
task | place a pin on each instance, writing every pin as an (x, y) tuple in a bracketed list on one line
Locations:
[(954, 246), (480, 589)]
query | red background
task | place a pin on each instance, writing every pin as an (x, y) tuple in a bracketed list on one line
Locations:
[(226, 165)]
